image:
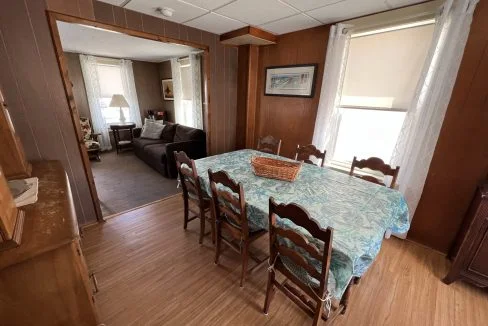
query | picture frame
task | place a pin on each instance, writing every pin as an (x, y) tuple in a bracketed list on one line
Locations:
[(167, 89), (291, 80)]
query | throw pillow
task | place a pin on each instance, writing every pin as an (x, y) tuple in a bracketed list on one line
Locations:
[(152, 130)]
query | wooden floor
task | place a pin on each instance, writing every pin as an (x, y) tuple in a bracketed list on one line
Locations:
[(152, 272)]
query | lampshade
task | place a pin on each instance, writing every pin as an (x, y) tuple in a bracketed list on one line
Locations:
[(118, 101)]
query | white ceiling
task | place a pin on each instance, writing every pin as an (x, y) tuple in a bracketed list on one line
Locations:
[(275, 16), (88, 40)]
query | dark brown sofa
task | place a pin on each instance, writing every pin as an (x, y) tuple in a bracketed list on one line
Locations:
[(158, 153)]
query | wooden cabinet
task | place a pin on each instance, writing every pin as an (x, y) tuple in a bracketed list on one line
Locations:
[(45, 281), (470, 252)]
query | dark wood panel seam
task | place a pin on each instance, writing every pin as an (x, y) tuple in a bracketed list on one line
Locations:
[(71, 172), (473, 78), (21, 100)]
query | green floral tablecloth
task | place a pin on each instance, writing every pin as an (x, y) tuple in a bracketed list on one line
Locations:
[(359, 211)]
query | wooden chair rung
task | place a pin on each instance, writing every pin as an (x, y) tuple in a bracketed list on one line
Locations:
[(297, 300)]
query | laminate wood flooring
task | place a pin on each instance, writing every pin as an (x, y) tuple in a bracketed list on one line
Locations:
[(124, 182), (152, 272)]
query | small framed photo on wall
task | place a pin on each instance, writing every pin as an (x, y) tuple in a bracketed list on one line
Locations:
[(167, 88), (294, 80)]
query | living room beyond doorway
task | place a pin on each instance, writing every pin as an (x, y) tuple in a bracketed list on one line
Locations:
[(137, 101)]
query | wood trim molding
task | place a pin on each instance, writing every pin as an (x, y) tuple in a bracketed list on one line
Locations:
[(252, 95), (153, 37), (248, 35)]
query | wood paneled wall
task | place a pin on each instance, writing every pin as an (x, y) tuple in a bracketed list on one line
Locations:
[(291, 118), (32, 85), (148, 86), (460, 159)]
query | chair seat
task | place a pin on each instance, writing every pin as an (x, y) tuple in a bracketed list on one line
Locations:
[(253, 229), (124, 142), (91, 144)]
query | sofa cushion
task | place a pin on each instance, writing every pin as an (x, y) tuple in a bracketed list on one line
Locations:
[(143, 142), (156, 153), (152, 130), (184, 133), (168, 133)]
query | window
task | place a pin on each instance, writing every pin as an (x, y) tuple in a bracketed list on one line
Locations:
[(382, 71), (186, 92), (110, 79)]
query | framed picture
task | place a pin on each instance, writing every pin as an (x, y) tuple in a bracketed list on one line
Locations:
[(167, 88), (295, 80)]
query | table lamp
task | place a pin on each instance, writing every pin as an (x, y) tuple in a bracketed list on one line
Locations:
[(118, 100)]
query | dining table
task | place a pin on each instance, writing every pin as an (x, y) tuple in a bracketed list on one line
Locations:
[(360, 212)]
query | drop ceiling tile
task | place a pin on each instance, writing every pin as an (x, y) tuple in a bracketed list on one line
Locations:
[(256, 12), (305, 5), (347, 9), (401, 3), (208, 4), (215, 23), (182, 11), (290, 24)]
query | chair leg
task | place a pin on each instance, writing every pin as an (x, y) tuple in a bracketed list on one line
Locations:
[(318, 313), (269, 291), (202, 225), (345, 297), (245, 258), (185, 203), (213, 229), (218, 244)]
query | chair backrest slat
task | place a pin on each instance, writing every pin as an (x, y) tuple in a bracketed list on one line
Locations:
[(228, 200), (269, 144), (375, 164), (303, 153), (298, 260), (297, 252), (299, 240)]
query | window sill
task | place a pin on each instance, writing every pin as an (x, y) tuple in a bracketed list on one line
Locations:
[(345, 167)]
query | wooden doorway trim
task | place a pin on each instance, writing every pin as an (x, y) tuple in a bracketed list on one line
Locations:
[(53, 17)]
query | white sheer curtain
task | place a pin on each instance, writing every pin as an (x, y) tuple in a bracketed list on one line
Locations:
[(328, 113), (129, 86), (96, 81), (196, 81), (177, 91), (187, 91), (92, 86), (416, 143)]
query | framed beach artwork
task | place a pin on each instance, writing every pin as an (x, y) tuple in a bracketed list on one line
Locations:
[(295, 80), (167, 88)]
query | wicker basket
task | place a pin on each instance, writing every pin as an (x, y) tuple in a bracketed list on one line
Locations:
[(275, 169)]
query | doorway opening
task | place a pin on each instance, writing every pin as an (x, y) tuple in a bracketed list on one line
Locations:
[(134, 98)]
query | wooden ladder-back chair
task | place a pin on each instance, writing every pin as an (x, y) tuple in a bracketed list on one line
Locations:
[(231, 215), (269, 144), (193, 194), (303, 154), (291, 247), (375, 164)]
